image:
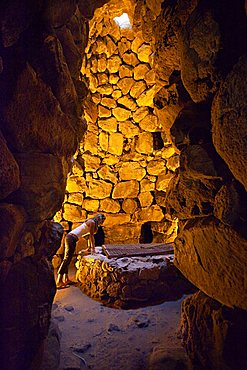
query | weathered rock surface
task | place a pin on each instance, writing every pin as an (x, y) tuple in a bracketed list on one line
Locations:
[(229, 119), (42, 46), (30, 134), (213, 335), (23, 280), (163, 358), (204, 253), (199, 53), (14, 218), (188, 198), (9, 170), (43, 184)]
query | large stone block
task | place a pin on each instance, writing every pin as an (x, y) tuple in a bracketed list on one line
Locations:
[(108, 124), (37, 124), (189, 198), (75, 184), (125, 71), (146, 99), (155, 167), (91, 162), (104, 141), (144, 53), (200, 46), (130, 58), (114, 63), (16, 16), (73, 213), (129, 205), (127, 102), (49, 62), (108, 102), (25, 314), (125, 84), (12, 223), (126, 189), (197, 161), (140, 70), (227, 207), (163, 180), (91, 142), (229, 118), (50, 240), (91, 205), (149, 123), (106, 173), (213, 335), (121, 114), (116, 219), (137, 89), (128, 129), (126, 233), (109, 205), (152, 213), (213, 257), (146, 199), (59, 12), (43, 184), (144, 143), (9, 170), (131, 171), (115, 143), (136, 43), (98, 189), (72, 54)]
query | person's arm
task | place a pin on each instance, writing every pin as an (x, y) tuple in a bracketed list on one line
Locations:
[(92, 243), (91, 240)]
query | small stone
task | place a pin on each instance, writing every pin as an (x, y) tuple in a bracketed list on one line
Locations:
[(113, 327), (113, 64), (142, 321), (140, 70), (130, 58), (81, 348), (121, 114), (125, 84), (125, 71), (69, 308)]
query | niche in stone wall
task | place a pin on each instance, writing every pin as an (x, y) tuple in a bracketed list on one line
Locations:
[(125, 162)]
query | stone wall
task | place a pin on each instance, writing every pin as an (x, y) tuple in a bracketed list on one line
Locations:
[(41, 49), (200, 64), (125, 161), (200, 54)]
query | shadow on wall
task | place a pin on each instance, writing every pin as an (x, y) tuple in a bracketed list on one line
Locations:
[(146, 233), (99, 237)]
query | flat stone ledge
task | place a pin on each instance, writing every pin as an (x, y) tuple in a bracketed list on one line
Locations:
[(129, 282)]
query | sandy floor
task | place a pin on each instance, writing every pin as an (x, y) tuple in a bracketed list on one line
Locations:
[(111, 339)]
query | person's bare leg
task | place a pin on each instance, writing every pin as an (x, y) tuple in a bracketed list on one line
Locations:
[(67, 281), (66, 278), (59, 281)]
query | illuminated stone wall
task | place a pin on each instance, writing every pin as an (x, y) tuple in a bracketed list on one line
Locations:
[(125, 162)]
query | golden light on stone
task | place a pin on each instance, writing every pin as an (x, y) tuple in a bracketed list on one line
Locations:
[(121, 168)]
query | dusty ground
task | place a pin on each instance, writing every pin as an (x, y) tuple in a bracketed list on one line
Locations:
[(111, 339)]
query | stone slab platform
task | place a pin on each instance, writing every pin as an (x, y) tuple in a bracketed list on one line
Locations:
[(133, 250), (130, 282)]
